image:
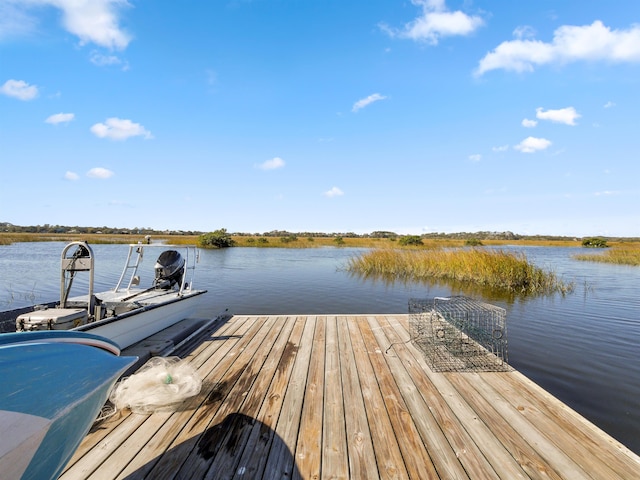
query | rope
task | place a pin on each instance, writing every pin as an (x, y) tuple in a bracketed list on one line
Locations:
[(411, 339)]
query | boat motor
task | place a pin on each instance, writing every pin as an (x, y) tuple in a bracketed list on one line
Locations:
[(169, 270)]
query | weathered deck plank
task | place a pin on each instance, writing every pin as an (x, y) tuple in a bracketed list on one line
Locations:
[(334, 434), (385, 446), (309, 447), (346, 397), (362, 461)]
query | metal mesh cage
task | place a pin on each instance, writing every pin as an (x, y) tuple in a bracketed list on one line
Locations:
[(458, 334)]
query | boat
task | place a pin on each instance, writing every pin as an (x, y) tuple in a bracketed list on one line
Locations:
[(129, 312), (54, 385)]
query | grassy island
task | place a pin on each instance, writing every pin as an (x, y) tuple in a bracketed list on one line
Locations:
[(623, 255), (506, 271)]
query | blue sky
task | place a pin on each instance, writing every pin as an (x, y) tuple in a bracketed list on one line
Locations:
[(322, 115)]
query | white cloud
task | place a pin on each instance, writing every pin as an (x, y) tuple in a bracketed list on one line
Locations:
[(99, 172), (567, 115), (92, 21), (609, 105), (14, 21), (594, 42), (272, 164), (436, 22), (502, 148), (529, 123), (607, 193), (71, 176), (19, 89), (533, 144), (476, 157), (60, 118), (524, 31), (120, 129), (367, 101), (102, 60), (334, 192)]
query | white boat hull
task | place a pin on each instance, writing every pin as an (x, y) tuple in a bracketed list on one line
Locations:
[(136, 325)]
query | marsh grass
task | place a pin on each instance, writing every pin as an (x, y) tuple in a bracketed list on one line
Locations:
[(332, 241), (240, 240), (496, 269), (7, 238), (622, 255), (95, 238)]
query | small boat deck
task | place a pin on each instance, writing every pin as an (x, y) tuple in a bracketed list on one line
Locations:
[(346, 396)]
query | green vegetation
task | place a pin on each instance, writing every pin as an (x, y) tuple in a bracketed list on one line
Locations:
[(7, 227), (269, 241), (289, 238), (410, 240), (497, 269), (384, 234), (218, 239), (622, 255), (594, 242), (473, 242)]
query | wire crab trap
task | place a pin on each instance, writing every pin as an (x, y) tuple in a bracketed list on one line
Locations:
[(459, 334)]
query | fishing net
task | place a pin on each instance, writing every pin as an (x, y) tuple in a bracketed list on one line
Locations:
[(161, 384)]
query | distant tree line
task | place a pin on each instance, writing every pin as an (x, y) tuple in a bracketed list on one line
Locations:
[(47, 228), (412, 239)]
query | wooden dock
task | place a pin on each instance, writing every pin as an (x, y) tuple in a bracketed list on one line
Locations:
[(344, 396)]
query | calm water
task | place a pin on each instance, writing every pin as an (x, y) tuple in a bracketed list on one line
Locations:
[(583, 347)]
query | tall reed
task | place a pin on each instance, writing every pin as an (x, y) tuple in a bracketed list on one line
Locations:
[(616, 255), (507, 271)]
